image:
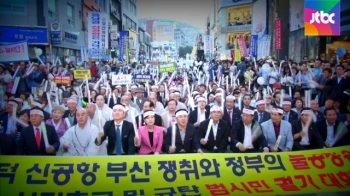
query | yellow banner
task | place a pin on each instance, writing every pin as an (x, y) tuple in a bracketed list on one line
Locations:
[(237, 52), (79, 74), (326, 170)]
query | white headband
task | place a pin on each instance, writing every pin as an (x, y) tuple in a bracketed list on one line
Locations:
[(215, 109), (119, 107), (231, 97), (172, 88), (180, 113), (306, 112), (218, 94), (133, 86), (37, 104), (39, 112), (201, 99), (177, 93), (148, 113), (195, 93), (19, 100), (12, 103), (260, 102), (154, 86), (277, 110), (247, 111), (286, 103), (72, 100)]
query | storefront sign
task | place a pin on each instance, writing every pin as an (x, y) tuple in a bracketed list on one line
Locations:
[(62, 80), (278, 34), (33, 35), (70, 37), (14, 52), (121, 79), (232, 29), (56, 33), (98, 35)]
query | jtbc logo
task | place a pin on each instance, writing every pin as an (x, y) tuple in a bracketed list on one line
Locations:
[(324, 17)]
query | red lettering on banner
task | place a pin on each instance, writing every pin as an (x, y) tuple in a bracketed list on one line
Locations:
[(346, 154), (14, 49), (299, 162), (318, 161), (236, 188), (345, 177), (286, 183), (256, 185), (335, 158), (333, 180), (217, 189), (305, 183)]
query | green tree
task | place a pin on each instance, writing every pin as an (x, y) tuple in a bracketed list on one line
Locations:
[(185, 50)]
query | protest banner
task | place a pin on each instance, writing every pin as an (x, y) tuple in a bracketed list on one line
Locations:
[(121, 79), (302, 172), (143, 78), (168, 67), (79, 74), (62, 79), (14, 52)]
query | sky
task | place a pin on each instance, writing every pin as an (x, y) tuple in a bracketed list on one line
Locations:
[(193, 12)]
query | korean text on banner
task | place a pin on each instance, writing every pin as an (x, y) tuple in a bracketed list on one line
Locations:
[(62, 79), (314, 171), (79, 74), (121, 79), (278, 34), (14, 52), (253, 45), (143, 78), (98, 35), (168, 67), (242, 47)]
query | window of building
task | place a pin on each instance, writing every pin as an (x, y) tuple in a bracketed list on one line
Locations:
[(52, 9), (13, 7), (70, 14)]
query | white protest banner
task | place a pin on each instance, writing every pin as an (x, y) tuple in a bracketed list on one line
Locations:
[(121, 79), (14, 52)]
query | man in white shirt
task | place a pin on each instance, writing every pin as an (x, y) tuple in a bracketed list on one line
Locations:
[(92, 117)]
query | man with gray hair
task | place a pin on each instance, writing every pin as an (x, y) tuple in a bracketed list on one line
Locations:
[(79, 140)]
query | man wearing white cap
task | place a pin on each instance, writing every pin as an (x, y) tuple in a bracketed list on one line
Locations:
[(79, 140), (213, 133), (200, 113), (289, 115), (278, 132), (8, 129), (38, 139), (218, 99), (120, 133), (182, 137), (72, 104), (260, 115), (305, 133), (247, 135)]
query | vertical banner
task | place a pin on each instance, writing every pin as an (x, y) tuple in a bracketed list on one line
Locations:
[(242, 46), (259, 18), (123, 39), (278, 34), (237, 52), (207, 46), (83, 53), (266, 45), (253, 45), (98, 35)]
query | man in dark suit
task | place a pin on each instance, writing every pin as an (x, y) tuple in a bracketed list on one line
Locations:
[(203, 112), (247, 135), (305, 133), (32, 139), (120, 133), (38, 103), (114, 98), (71, 112), (317, 115), (231, 114), (289, 114), (185, 136), (8, 133), (214, 141), (333, 132), (339, 84), (148, 105), (260, 115)]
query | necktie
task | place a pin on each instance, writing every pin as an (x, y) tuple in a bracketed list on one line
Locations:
[(37, 137), (261, 118), (119, 141), (229, 115)]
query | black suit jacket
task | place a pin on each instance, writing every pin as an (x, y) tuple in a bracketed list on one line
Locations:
[(319, 116), (27, 144), (3, 121), (111, 101), (293, 116), (322, 128), (67, 113), (337, 90), (266, 116), (236, 115), (128, 135), (221, 136), (193, 116), (238, 135), (191, 142), (315, 138), (158, 121)]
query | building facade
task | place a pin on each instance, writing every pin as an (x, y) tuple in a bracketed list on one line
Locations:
[(180, 38)]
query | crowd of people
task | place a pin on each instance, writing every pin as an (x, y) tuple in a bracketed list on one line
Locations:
[(202, 107)]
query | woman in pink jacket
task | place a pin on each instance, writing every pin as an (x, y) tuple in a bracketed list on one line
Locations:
[(150, 138)]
